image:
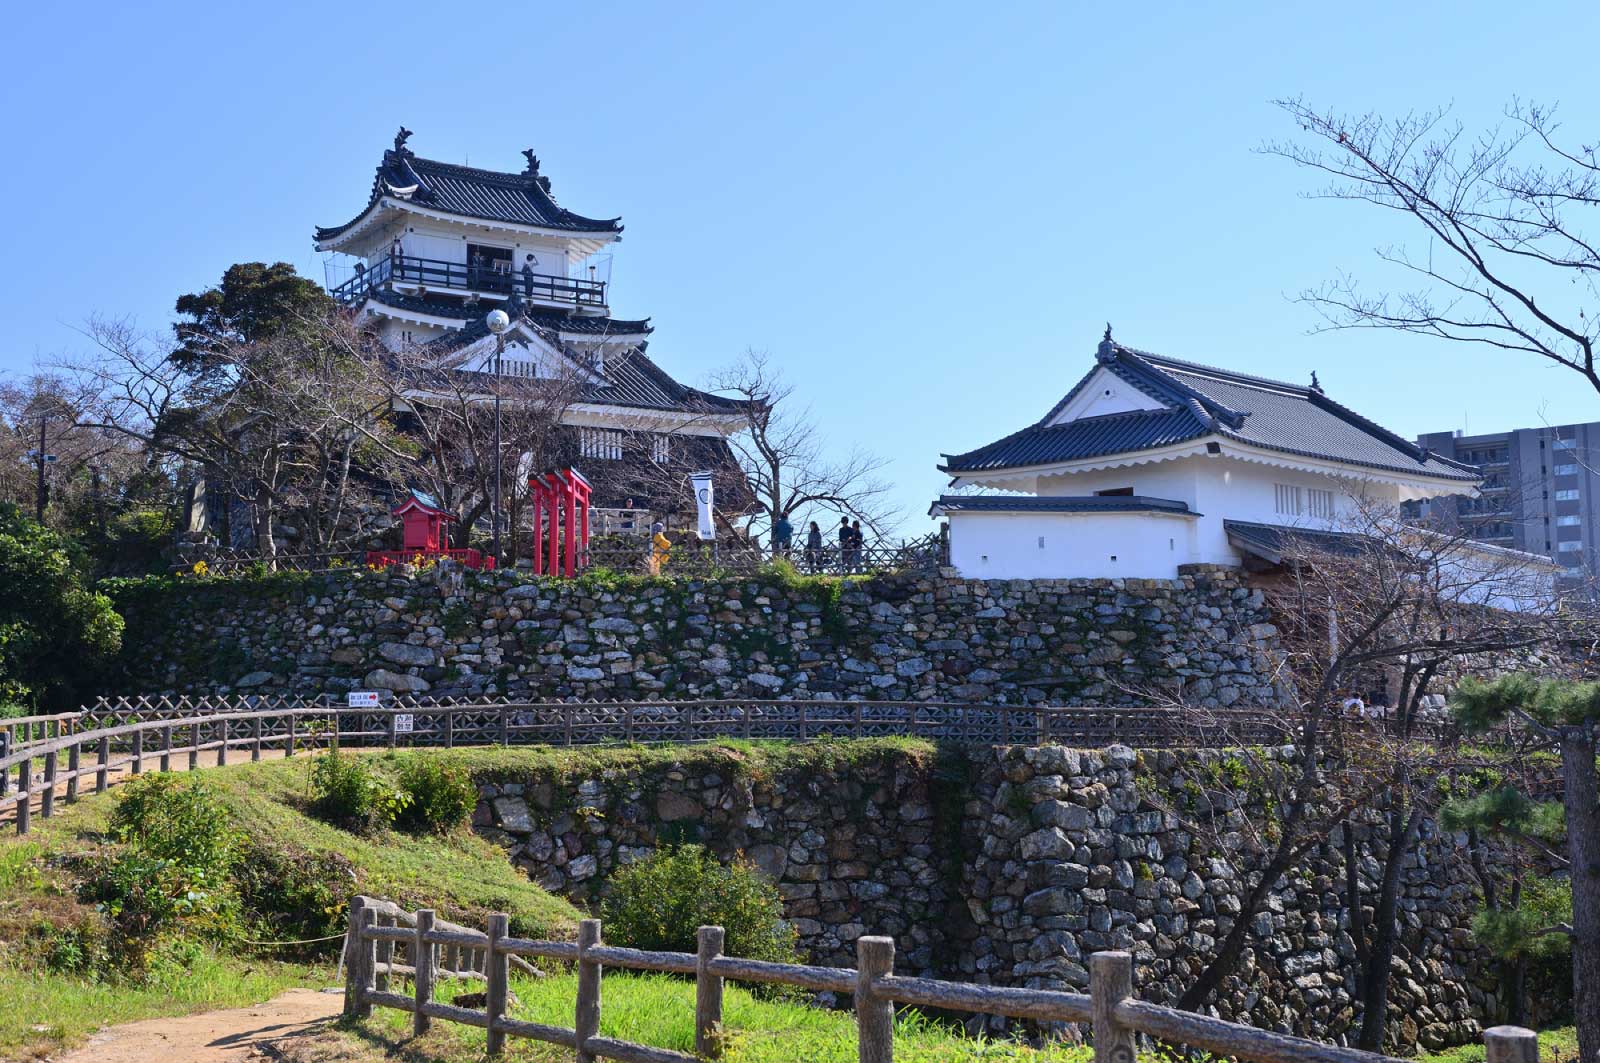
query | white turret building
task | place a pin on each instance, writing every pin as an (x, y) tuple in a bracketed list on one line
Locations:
[(1150, 464)]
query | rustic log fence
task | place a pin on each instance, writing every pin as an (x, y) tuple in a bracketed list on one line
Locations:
[(375, 947)]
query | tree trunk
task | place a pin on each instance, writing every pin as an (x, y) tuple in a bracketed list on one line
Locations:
[(1227, 957), (1385, 932), (264, 512), (1582, 801)]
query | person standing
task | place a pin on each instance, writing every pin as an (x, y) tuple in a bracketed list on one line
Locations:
[(846, 537), (814, 547), (527, 276), (782, 536), (858, 543), (660, 548)]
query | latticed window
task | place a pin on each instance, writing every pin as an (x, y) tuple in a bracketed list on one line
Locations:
[(604, 444), (660, 449), (1287, 497), (1319, 504)]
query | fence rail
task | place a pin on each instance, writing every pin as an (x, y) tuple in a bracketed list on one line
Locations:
[(40, 754), (375, 948)]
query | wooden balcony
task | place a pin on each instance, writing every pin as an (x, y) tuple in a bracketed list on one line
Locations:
[(418, 275)]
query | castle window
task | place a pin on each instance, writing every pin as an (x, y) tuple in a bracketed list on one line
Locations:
[(1287, 498), (604, 444), (661, 449), (1320, 503)]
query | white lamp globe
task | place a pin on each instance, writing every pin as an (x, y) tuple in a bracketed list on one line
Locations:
[(498, 321)]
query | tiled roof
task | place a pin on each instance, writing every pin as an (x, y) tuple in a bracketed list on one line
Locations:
[(1200, 401), (1060, 504), (1271, 542), (490, 195), (631, 378), (558, 320)]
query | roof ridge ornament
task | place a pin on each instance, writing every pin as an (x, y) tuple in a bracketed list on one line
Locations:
[(1107, 351), (400, 139), (531, 172), (1316, 385)]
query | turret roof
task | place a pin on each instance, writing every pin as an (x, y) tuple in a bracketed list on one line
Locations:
[(491, 195)]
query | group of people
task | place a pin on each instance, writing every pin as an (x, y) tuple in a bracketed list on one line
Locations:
[(851, 548)]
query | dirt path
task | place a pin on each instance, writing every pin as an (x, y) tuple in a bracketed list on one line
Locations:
[(236, 1036)]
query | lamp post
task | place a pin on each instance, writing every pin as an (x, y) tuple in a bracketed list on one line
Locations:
[(498, 321)]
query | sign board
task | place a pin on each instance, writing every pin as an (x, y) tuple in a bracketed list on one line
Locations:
[(703, 502), (363, 699), (402, 723)]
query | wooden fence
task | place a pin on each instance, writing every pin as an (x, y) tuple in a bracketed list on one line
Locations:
[(379, 952)]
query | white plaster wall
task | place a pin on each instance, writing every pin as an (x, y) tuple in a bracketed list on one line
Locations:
[(1074, 545)]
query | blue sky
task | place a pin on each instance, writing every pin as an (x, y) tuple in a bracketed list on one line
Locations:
[(926, 212)]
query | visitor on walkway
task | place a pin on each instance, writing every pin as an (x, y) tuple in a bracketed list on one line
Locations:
[(857, 546), (814, 548), (782, 537), (846, 537), (528, 275), (660, 548)]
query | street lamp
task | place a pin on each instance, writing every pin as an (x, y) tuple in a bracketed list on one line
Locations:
[(498, 321)]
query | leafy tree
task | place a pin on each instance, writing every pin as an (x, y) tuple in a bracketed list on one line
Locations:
[(1563, 715), (254, 302), (53, 631)]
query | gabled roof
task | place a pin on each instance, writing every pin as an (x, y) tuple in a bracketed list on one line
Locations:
[(1059, 504), (1200, 401), (423, 501), (629, 378), (489, 195)]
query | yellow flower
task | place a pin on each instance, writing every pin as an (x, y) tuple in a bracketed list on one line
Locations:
[(200, 568)]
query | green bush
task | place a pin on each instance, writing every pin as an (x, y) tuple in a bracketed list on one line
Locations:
[(54, 633), (660, 901), (350, 792), (136, 543), (290, 895), (440, 795), (169, 877)]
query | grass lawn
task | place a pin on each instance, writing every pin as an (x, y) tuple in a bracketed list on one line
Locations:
[(43, 1012), (1554, 1045), (658, 1010)]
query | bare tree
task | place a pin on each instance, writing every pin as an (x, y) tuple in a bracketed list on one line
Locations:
[(1505, 261), (785, 460), (1380, 602)]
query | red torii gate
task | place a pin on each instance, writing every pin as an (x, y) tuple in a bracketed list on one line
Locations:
[(563, 495)]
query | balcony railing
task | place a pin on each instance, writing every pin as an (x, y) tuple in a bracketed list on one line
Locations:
[(408, 271)]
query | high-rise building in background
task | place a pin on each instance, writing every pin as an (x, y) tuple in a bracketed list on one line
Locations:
[(1540, 492)]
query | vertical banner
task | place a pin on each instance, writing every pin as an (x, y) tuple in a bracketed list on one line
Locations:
[(703, 502)]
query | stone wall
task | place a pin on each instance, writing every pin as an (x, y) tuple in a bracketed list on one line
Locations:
[(1010, 867), (1087, 642)]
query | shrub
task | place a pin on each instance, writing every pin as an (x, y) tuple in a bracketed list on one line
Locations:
[(169, 877), (54, 633), (350, 792), (660, 901), (290, 895), (440, 795)]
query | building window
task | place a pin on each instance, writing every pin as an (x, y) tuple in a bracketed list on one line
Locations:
[(660, 449), (1320, 503), (1565, 444), (1566, 545), (1566, 470), (1569, 495), (1288, 499), (1115, 492), (602, 443), (1571, 520)]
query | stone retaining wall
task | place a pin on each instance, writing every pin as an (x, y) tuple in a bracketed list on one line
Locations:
[(1086, 642), (1010, 867)]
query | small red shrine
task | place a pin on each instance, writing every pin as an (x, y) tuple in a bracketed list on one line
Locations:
[(422, 527), (561, 499)]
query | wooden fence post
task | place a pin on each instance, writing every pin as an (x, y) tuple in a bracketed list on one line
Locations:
[(73, 756), (255, 739), (357, 961), (390, 728), (288, 745), (194, 745), (499, 972), (1510, 1044), (138, 752), (24, 796), (424, 958), (47, 802), (166, 748), (102, 761), (5, 751), (384, 955), (1110, 983), (707, 993), (587, 1019), (505, 725), (874, 1014), (222, 746), (449, 728)]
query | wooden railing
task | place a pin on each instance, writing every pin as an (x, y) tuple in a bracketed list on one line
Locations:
[(374, 945), (486, 277)]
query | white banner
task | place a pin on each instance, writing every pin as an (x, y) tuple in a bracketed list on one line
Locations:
[(703, 502)]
